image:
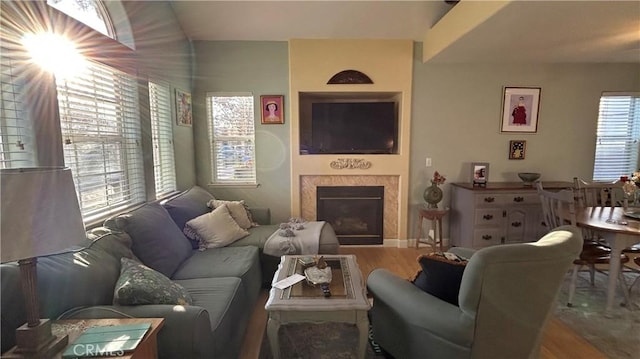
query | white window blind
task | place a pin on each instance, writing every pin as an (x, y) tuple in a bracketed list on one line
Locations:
[(232, 134), (617, 136), (162, 135), (16, 132), (101, 136)]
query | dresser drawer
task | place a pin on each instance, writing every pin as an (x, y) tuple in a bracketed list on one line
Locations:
[(483, 237), (522, 199), (488, 217), (489, 200)]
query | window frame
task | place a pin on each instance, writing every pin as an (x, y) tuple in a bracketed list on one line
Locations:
[(107, 124), (617, 136), (216, 180), (164, 168)]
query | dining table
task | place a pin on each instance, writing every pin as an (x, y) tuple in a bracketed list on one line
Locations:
[(620, 227)]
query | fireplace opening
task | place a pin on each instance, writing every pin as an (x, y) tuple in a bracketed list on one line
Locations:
[(355, 212)]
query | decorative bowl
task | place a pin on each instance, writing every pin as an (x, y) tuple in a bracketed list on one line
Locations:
[(528, 177)]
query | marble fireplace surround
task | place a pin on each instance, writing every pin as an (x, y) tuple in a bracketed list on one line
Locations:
[(310, 183)]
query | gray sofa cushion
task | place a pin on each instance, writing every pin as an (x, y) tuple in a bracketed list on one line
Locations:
[(219, 262), (157, 240), (188, 205), (241, 262), (228, 307), (257, 236)]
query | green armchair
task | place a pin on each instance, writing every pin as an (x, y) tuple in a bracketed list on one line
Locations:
[(506, 295)]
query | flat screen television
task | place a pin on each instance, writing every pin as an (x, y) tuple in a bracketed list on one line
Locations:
[(352, 127)]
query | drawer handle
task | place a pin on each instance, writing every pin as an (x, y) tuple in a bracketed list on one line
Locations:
[(516, 224), (489, 199), (488, 217), (518, 199), (486, 237)]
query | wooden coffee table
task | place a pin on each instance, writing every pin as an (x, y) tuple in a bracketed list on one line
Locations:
[(303, 302)]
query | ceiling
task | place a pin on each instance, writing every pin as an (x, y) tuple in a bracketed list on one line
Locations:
[(471, 31)]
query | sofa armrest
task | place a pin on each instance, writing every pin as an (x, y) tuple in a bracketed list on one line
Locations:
[(261, 215), (420, 310), (186, 332)]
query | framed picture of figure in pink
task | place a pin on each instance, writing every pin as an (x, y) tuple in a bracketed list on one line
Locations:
[(272, 109), (520, 107)]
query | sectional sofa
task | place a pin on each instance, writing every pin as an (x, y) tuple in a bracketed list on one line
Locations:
[(222, 283)]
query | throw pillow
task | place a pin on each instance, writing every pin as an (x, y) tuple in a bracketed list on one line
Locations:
[(139, 284), (188, 205), (237, 209), (155, 238), (215, 229), (440, 276)]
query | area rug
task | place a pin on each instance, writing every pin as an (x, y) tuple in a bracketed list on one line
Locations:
[(617, 334), (320, 341)]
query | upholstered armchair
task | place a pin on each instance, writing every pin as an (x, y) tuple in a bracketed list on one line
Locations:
[(506, 295)]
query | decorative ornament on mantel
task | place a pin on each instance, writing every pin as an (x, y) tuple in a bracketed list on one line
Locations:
[(350, 163), (433, 194)]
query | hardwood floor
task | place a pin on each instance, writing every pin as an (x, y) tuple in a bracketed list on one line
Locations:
[(559, 341)]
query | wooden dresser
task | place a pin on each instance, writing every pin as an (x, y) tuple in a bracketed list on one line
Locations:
[(501, 212)]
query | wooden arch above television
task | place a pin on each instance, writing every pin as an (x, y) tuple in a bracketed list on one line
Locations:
[(349, 77)]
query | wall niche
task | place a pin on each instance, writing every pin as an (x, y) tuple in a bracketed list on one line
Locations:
[(349, 123)]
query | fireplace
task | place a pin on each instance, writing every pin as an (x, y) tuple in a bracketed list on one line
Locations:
[(355, 212)]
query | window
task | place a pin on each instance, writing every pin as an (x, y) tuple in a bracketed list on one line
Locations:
[(617, 136), (16, 134), (101, 135), (162, 136), (232, 134), (90, 12)]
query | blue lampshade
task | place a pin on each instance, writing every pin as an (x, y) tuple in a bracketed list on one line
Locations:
[(39, 212)]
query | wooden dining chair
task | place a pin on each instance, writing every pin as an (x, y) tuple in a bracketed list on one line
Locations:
[(559, 208), (603, 194)]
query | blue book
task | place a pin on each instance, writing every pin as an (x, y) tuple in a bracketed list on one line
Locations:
[(114, 340)]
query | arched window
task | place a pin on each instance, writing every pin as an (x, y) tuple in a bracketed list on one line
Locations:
[(90, 12)]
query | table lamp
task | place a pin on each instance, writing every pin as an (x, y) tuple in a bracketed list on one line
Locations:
[(39, 215)]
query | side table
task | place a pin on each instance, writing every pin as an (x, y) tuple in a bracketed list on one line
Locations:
[(147, 349), (435, 215)]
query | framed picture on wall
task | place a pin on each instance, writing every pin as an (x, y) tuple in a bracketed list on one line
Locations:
[(183, 108), (479, 173), (517, 149), (272, 109), (520, 109)]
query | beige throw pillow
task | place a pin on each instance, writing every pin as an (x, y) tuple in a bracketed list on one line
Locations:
[(216, 228), (237, 209)]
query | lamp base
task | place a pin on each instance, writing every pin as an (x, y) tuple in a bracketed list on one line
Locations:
[(36, 342)]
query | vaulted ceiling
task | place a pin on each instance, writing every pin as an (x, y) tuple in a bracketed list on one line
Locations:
[(517, 31)]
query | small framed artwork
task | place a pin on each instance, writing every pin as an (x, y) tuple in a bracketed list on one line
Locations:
[(520, 109), (517, 149), (272, 109), (183, 108), (479, 173)]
